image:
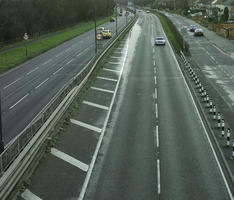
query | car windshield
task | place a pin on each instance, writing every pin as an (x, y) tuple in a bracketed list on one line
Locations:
[(159, 38)]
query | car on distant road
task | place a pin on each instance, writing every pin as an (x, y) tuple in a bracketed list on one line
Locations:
[(106, 34), (112, 19), (198, 32), (100, 29), (120, 14), (192, 28), (160, 41), (148, 11)]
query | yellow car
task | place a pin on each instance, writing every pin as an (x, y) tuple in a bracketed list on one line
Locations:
[(106, 34)]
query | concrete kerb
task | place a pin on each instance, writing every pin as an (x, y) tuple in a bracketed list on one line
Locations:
[(208, 125), (15, 171)]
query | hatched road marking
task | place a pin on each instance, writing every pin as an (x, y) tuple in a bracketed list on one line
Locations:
[(103, 90), (69, 159), (88, 126), (108, 79), (110, 70), (95, 105), (28, 195)]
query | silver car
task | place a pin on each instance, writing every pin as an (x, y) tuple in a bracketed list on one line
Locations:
[(160, 41)]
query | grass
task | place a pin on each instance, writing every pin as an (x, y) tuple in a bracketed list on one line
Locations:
[(16, 56), (169, 33)]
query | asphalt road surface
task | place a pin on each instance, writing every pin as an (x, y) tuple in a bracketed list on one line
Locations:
[(28, 88), (140, 113), (159, 148)]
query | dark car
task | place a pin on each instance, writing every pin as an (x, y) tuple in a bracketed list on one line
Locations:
[(112, 19), (192, 28)]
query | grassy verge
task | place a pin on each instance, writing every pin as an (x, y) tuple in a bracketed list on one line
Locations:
[(169, 33), (16, 56)]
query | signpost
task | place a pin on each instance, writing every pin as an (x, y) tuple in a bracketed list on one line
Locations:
[(25, 37)]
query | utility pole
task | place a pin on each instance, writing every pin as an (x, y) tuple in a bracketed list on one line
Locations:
[(95, 25), (1, 140)]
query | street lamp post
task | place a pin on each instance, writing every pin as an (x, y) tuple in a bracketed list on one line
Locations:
[(25, 37), (1, 140), (116, 18), (95, 25)]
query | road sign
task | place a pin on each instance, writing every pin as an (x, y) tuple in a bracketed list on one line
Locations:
[(99, 36), (25, 36)]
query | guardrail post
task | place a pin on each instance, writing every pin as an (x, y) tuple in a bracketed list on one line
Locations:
[(219, 120), (233, 148), (222, 126), (211, 106), (214, 112)]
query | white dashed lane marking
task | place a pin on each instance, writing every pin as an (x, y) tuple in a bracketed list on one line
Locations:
[(42, 83), (19, 101), (32, 71), (11, 83)]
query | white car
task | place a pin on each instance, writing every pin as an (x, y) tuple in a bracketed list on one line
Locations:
[(160, 41), (100, 29)]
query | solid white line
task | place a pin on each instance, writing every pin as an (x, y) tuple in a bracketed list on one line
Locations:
[(28, 195), (156, 93), (155, 80), (157, 137), (96, 105), (108, 79), (19, 101), (211, 146), (115, 63), (58, 70), (156, 110), (110, 70), (42, 83), (11, 83), (158, 169), (70, 61), (32, 71), (69, 159), (88, 126), (103, 90)]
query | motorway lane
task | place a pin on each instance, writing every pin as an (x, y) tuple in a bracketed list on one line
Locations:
[(216, 64), (156, 146), (21, 88)]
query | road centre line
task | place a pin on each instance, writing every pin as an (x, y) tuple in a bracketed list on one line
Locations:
[(103, 90), (79, 54), (155, 70), (32, 71), (69, 159), (42, 83), (154, 63), (115, 63), (88, 126), (156, 110), (158, 170), (156, 93), (108, 79), (155, 80), (11, 83), (199, 116), (28, 195), (95, 105), (58, 70), (111, 70), (157, 137), (19, 101), (46, 62)]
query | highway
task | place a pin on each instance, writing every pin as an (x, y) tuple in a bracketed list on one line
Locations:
[(213, 54), (28, 88), (137, 135)]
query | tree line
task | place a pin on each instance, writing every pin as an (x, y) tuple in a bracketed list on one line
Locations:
[(34, 16)]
